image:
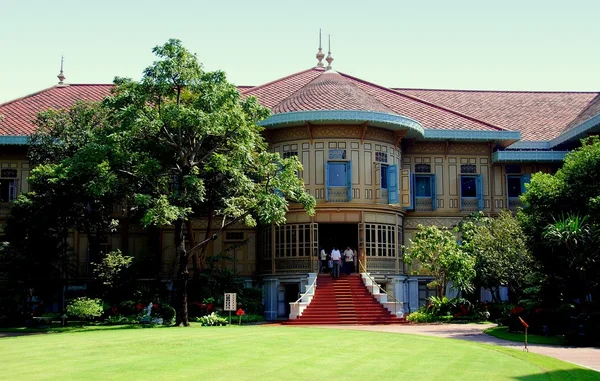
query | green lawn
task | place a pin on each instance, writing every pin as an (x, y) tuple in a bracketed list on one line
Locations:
[(502, 333), (268, 352)]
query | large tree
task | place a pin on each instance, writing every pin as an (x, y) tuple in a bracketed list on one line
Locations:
[(499, 247), (561, 214), (73, 185), (437, 251), (195, 150)]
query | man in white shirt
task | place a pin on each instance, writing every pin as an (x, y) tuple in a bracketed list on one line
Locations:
[(323, 262), (348, 260), (336, 257)]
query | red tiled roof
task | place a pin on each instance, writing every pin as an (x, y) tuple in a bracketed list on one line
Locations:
[(539, 116), (275, 96), (18, 115), (330, 91), (589, 112)]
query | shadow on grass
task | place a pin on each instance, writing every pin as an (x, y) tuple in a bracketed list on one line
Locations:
[(504, 334), (75, 328), (562, 375)]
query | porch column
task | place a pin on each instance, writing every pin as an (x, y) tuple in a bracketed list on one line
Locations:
[(271, 295), (400, 294), (413, 294)]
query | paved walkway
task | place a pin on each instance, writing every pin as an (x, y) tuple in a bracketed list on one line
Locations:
[(587, 357)]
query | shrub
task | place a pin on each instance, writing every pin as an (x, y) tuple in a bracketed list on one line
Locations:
[(420, 317), (250, 299), (212, 320), (252, 318), (167, 313), (85, 308)]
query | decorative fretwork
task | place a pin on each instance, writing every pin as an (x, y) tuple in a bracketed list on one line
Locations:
[(513, 168), (234, 236), (6, 172), (423, 204), (338, 194), (381, 265), (384, 197), (293, 265), (288, 154), (337, 154), (468, 168), (422, 168), (469, 204), (381, 157), (514, 203)]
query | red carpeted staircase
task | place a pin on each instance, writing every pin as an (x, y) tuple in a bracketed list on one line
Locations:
[(344, 301)]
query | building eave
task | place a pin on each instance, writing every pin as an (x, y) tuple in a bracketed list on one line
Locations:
[(503, 138), (14, 140), (576, 132), (518, 156), (392, 122)]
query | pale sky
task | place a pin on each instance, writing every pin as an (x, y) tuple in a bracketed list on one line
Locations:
[(501, 45)]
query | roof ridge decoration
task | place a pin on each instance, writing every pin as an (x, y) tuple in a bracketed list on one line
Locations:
[(320, 54), (61, 77), (329, 58)]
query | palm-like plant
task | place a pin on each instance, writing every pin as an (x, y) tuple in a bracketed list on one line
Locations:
[(571, 232)]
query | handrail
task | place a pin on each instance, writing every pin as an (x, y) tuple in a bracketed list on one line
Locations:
[(396, 301), (314, 283)]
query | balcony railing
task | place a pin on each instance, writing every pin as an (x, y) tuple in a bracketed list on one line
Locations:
[(469, 204), (337, 194), (423, 204)]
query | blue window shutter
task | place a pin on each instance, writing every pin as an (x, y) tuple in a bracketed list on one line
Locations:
[(393, 184), (349, 179), (525, 179), (326, 181), (479, 189), (433, 193)]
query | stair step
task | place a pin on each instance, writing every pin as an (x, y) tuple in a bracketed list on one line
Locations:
[(345, 300)]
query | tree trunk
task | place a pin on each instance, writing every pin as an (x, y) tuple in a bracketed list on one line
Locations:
[(182, 276), (202, 255)]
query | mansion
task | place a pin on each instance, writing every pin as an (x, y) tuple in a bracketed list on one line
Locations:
[(379, 161)]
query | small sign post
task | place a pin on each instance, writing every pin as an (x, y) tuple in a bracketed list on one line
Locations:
[(230, 303), (526, 326)]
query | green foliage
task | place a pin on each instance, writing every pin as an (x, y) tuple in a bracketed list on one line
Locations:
[(439, 254), (191, 146), (420, 317), (499, 247), (212, 320), (561, 216), (252, 318), (111, 266), (85, 308)]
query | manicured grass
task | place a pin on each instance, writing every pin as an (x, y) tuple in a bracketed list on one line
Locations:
[(502, 333), (268, 352)]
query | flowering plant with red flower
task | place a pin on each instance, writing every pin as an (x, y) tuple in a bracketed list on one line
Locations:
[(517, 310), (240, 312), (156, 307), (139, 306)]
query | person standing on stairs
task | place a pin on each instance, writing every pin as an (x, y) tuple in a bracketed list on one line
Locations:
[(336, 257), (348, 260), (355, 261), (323, 257)]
